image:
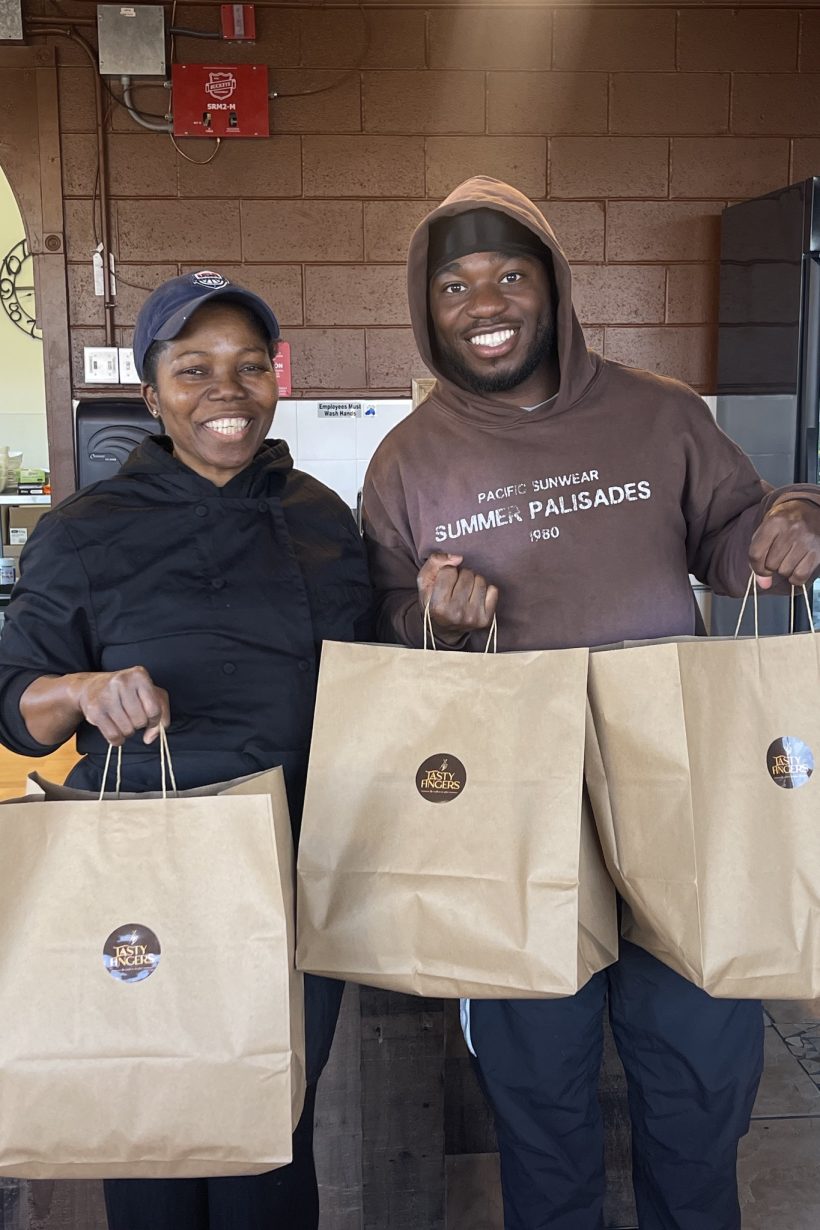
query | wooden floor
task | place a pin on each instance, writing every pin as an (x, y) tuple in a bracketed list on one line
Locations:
[(15, 769)]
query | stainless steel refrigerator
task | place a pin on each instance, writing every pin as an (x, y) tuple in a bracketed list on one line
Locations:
[(769, 354)]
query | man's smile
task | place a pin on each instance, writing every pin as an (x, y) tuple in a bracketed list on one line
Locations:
[(494, 343)]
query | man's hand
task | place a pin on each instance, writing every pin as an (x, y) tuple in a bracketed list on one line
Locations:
[(460, 600), (787, 544)]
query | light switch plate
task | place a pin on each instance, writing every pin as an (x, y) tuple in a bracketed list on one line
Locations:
[(101, 364), (11, 19), (128, 372)]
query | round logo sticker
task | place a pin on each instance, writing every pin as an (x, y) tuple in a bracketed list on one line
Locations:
[(790, 762), (131, 953), (440, 779), (207, 277)]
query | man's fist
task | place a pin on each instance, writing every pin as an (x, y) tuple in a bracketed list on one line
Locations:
[(460, 600), (787, 544)]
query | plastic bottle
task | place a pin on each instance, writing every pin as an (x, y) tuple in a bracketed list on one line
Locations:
[(8, 575)]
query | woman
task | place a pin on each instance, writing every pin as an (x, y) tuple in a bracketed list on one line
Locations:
[(192, 590)]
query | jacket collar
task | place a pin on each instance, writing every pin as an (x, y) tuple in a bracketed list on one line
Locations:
[(154, 459)]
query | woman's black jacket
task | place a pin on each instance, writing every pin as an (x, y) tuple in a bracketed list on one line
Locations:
[(224, 594)]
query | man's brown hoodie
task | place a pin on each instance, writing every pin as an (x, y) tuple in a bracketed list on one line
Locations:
[(589, 513)]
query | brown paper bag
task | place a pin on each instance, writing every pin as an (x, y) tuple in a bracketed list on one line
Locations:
[(700, 766), (443, 850), (152, 1019)]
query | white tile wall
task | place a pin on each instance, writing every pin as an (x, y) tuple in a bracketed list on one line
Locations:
[(361, 470), (340, 476), (337, 450), (284, 424), (324, 439), (372, 428)]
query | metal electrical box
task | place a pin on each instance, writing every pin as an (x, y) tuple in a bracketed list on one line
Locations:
[(238, 22), (220, 100), (131, 40), (11, 19)]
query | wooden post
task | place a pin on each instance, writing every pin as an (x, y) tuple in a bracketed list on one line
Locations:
[(30, 157)]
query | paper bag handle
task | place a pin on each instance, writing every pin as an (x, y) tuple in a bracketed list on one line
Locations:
[(430, 639), (164, 761), (752, 587)]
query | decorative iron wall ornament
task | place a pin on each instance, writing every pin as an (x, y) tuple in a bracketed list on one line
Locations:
[(17, 290)]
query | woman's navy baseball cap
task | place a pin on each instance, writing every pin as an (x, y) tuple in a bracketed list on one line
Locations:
[(169, 308)]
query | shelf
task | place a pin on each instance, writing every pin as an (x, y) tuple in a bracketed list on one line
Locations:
[(25, 499)]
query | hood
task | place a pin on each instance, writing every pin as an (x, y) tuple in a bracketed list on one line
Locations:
[(577, 366), (153, 459)]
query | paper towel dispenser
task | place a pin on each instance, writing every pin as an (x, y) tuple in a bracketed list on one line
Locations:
[(107, 431)]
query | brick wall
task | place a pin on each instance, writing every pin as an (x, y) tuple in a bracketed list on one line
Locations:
[(633, 125)]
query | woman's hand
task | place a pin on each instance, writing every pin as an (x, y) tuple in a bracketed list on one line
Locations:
[(118, 703)]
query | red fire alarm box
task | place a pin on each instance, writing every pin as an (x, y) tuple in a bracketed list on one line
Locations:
[(281, 365), (220, 100), (238, 22)]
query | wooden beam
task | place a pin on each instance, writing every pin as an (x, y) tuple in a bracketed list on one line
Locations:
[(30, 157), (52, 296)]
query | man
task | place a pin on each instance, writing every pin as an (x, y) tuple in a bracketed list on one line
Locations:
[(575, 496)]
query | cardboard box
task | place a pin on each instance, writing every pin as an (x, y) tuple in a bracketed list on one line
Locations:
[(22, 520)]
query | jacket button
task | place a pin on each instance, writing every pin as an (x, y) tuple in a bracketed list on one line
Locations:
[(262, 505), (228, 668), (218, 582), (201, 510), (304, 665)]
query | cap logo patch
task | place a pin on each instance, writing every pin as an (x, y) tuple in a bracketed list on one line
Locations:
[(207, 277)]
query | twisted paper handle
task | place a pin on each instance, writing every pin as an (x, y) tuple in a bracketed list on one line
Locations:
[(429, 635), (164, 763), (752, 586)]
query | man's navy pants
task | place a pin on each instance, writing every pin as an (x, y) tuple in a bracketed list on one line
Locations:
[(692, 1063)]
